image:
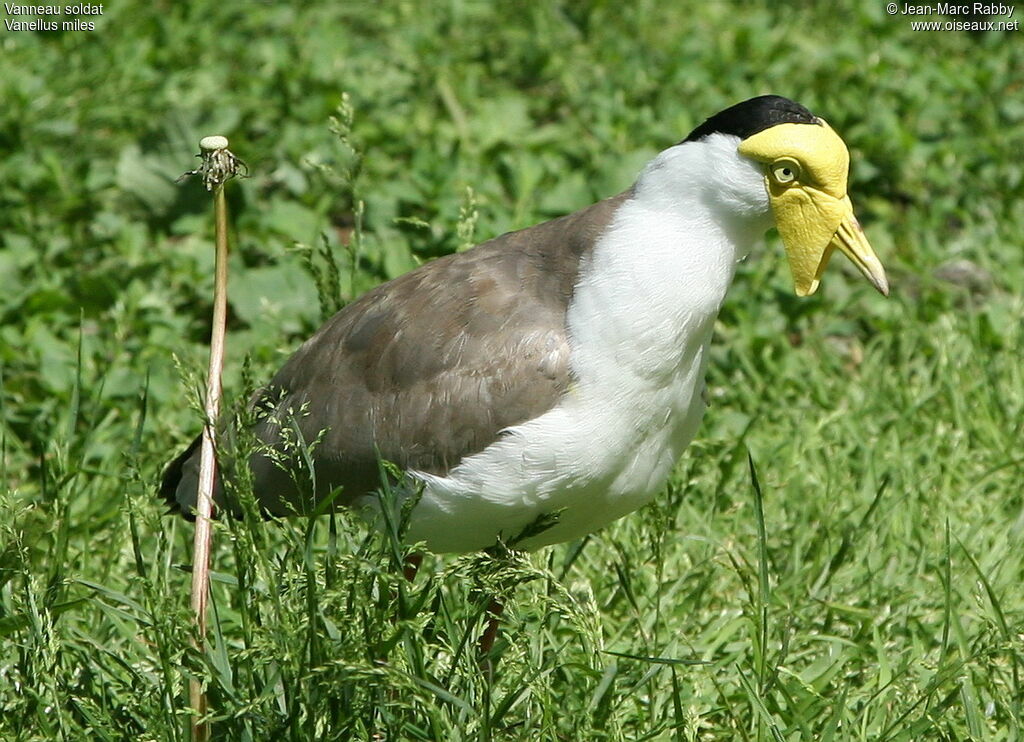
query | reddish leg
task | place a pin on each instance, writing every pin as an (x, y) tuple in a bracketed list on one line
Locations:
[(412, 566), (486, 644)]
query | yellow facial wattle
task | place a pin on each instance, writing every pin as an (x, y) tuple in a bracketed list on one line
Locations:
[(806, 168)]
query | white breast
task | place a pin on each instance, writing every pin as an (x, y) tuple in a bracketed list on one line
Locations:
[(640, 321)]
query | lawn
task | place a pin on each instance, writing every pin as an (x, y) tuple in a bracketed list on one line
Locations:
[(838, 555)]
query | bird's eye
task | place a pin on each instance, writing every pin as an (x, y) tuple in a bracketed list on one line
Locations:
[(785, 171)]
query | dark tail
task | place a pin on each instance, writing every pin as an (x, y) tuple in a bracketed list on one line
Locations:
[(172, 477)]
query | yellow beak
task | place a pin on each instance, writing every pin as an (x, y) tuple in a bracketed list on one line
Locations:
[(812, 225), (851, 240)]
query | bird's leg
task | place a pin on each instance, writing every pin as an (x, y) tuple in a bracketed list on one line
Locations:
[(486, 643), (497, 556), (412, 566), (409, 570)]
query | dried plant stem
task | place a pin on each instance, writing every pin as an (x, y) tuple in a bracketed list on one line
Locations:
[(218, 166), (208, 463)]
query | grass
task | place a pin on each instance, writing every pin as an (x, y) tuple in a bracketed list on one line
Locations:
[(856, 578)]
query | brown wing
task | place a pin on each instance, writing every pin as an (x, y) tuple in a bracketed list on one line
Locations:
[(430, 367)]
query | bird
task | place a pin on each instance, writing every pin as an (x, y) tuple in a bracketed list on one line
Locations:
[(553, 374)]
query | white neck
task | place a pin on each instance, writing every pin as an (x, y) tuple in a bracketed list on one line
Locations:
[(651, 289)]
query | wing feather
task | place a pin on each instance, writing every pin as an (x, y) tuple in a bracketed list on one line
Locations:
[(430, 367)]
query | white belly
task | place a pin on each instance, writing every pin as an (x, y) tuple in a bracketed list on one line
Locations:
[(590, 460)]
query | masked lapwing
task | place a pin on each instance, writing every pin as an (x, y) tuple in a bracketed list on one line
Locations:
[(558, 370)]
